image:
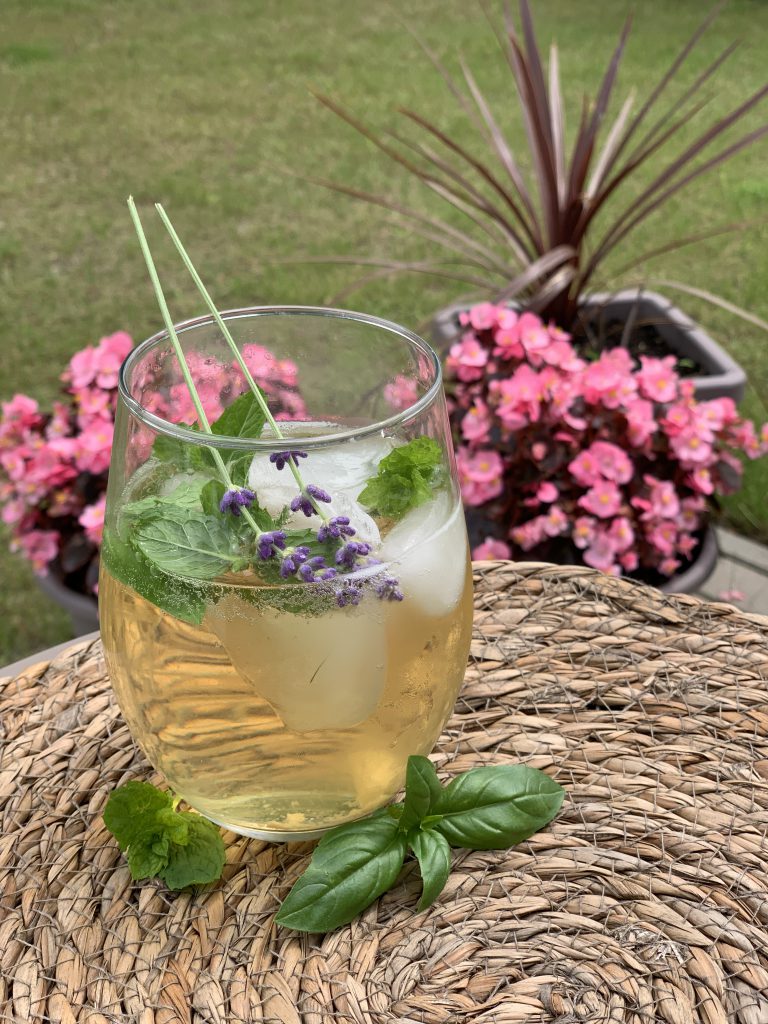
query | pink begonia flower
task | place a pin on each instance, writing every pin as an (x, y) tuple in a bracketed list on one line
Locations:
[(480, 475), (701, 480), (658, 379), (686, 543), (743, 436), (507, 343), (520, 397), (629, 561), (109, 357), (583, 531), (664, 502), (563, 356), (669, 566), (690, 447), (621, 533), (663, 537), (609, 380), (483, 316), (640, 421), (716, 414), (92, 403), (676, 419), (603, 499), (467, 358), (95, 446), (506, 318), (82, 368), (529, 534), (59, 425), (555, 522), (585, 469), (476, 424), (13, 511), (46, 469), (547, 493), (601, 553), (92, 519), (491, 549), (20, 414), (289, 373), (612, 463), (732, 595), (39, 546), (539, 450), (401, 393), (14, 463), (533, 335)]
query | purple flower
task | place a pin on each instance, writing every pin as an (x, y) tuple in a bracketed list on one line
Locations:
[(349, 593), (269, 541), (293, 558), (303, 501), (280, 459), (335, 528), (235, 499), (388, 589), (348, 553)]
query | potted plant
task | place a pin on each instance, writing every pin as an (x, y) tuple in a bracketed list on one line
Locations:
[(608, 462), (543, 240), (54, 465)]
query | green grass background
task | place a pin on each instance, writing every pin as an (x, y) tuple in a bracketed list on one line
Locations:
[(205, 105)]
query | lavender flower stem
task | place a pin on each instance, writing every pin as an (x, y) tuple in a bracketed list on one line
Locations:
[(205, 425), (235, 351)]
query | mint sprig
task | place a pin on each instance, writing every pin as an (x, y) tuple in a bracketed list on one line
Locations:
[(180, 847), (405, 479)]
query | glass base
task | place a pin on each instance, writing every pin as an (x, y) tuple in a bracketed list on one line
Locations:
[(278, 836)]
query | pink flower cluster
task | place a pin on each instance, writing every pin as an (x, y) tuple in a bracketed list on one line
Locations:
[(53, 466), (604, 461)]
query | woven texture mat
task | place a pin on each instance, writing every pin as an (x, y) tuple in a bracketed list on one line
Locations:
[(646, 901)]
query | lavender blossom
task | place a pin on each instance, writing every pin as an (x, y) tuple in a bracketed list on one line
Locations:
[(303, 500), (349, 593), (388, 589), (335, 528), (348, 553), (269, 541), (292, 560), (281, 459), (235, 499)]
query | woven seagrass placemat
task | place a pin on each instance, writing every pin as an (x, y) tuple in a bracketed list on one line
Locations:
[(646, 901)]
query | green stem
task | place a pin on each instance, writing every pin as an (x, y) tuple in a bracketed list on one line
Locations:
[(235, 351), (205, 425)]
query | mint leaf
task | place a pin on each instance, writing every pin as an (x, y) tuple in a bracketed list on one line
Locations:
[(181, 454), (129, 808), (210, 497), (422, 791), (405, 479), (179, 846), (434, 856), (496, 807), (200, 859), (180, 598), (243, 418), (351, 866), (187, 544)]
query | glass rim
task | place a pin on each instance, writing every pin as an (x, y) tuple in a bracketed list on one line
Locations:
[(163, 426)]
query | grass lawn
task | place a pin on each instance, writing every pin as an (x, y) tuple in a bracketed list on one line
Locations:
[(205, 106)]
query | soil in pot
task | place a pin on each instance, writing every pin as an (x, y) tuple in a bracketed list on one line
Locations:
[(598, 334)]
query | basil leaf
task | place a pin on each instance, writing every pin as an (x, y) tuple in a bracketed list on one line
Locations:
[(405, 479), (496, 807), (187, 544), (201, 858), (180, 598), (434, 856), (351, 866), (422, 791)]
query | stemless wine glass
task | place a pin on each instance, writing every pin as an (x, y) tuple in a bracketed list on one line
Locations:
[(283, 631)]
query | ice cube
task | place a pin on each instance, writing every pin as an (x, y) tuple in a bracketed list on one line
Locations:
[(318, 672), (342, 471), (427, 551)]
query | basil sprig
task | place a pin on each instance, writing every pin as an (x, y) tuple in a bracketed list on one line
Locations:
[(484, 809)]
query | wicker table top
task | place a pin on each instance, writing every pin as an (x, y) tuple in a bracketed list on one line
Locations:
[(646, 901)]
